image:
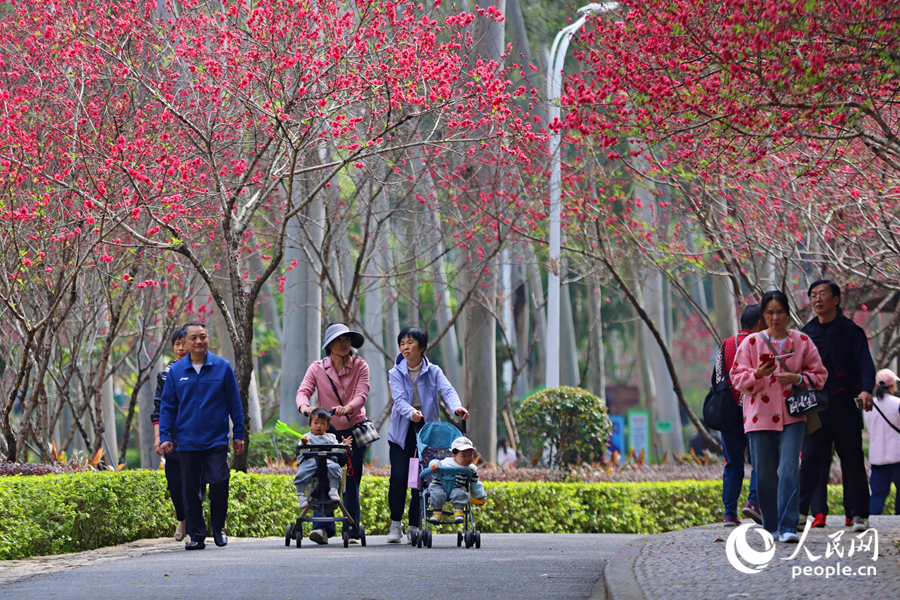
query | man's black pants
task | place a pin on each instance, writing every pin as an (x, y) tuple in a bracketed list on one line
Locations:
[(841, 426), (199, 467)]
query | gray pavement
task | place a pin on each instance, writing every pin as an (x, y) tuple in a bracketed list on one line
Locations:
[(693, 563), (539, 566)]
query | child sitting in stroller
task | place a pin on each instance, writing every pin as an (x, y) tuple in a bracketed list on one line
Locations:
[(319, 420), (463, 456)]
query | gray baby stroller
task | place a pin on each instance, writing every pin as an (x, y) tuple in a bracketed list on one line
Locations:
[(434, 442)]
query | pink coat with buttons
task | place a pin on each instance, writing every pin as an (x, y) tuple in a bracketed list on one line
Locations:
[(764, 399), (352, 384)]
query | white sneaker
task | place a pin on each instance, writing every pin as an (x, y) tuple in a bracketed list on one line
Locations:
[(411, 533), (333, 495), (395, 533), (319, 536), (301, 499), (860, 524), (788, 537)]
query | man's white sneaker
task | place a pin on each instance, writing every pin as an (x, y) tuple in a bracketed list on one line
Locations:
[(860, 523), (319, 536), (395, 533), (411, 534), (788, 537)]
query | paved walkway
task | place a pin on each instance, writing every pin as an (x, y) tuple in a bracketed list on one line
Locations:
[(507, 566), (693, 563)]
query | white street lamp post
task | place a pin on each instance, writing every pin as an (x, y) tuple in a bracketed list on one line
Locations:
[(554, 88)]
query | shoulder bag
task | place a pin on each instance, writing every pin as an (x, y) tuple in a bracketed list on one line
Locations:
[(364, 433), (894, 427), (720, 411)]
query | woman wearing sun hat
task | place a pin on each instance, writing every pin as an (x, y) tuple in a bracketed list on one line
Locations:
[(342, 382), (884, 442)]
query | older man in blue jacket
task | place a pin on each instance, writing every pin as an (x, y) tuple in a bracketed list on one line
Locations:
[(199, 396)]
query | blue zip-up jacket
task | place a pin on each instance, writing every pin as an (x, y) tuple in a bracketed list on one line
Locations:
[(194, 408), (430, 381)]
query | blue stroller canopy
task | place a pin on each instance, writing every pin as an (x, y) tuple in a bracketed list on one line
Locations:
[(437, 434)]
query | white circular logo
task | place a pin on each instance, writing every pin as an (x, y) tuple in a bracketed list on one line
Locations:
[(737, 549)]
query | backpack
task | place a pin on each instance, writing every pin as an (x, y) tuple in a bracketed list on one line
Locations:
[(720, 411)]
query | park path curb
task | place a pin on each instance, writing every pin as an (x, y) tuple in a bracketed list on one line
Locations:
[(619, 577), (23, 568)]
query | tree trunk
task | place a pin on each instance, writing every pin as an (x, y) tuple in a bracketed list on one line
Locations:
[(596, 376), (536, 289), (302, 316), (149, 457), (373, 318), (569, 373), (481, 375)]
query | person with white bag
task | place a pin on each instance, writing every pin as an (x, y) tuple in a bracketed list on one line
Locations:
[(883, 425), (415, 382)]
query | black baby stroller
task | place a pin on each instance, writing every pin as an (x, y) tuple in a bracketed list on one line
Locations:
[(434, 442), (318, 499)]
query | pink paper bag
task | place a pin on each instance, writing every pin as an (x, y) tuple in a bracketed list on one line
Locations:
[(412, 481)]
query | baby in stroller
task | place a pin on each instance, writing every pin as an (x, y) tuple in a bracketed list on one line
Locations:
[(463, 455), (318, 427)]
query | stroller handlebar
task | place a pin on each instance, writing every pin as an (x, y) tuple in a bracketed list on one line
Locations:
[(446, 471), (329, 449)]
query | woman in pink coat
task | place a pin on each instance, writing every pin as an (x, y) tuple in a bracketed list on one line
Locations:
[(766, 367), (341, 380)]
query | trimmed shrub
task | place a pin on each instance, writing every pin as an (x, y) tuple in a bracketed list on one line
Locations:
[(570, 424), (53, 514)]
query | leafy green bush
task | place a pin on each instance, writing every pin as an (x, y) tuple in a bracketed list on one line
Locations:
[(52, 514), (568, 422), (260, 449)]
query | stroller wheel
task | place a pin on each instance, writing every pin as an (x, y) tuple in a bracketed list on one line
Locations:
[(459, 539), (362, 535), (477, 539), (346, 538), (428, 539), (299, 536), (420, 539), (288, 535), (470, 539), (413, 538)]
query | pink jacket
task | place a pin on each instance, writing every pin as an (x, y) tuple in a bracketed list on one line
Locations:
[(352, 383), (764, 405)]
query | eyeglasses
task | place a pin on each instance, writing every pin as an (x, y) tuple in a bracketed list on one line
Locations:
[(822, 295)]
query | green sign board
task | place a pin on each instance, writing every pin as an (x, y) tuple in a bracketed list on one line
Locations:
[(664, 427)]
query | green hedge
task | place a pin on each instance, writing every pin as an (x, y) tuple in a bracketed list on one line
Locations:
[(52, 514)]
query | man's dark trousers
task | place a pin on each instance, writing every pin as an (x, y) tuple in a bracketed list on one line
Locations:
[(199, 467), (842, 425)]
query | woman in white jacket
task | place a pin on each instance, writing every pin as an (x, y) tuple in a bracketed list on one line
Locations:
[(884, 442)]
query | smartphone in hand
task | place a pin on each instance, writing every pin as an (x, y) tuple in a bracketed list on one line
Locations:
[(767, 359)]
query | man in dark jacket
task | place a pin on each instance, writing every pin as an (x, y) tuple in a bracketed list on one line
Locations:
[(199, 396), (844, 350)]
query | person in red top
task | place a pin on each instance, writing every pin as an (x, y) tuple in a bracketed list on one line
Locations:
[(734, 441)]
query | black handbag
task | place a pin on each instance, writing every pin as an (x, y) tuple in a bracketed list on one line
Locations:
[(804, 398), (720, 411)]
